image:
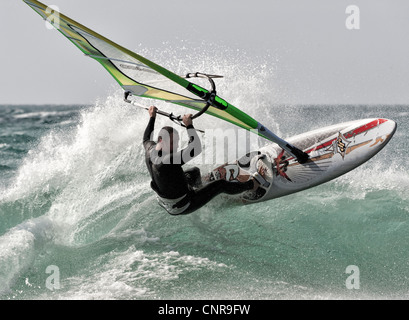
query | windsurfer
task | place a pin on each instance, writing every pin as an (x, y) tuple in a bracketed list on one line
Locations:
[(179, 191)]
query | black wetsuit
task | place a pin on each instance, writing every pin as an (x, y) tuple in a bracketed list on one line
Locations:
[(169, 180)]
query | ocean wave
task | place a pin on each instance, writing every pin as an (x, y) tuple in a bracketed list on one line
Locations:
[(131, 273)]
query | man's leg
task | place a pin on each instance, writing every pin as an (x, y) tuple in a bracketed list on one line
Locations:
[(202, 196), (193, 177)]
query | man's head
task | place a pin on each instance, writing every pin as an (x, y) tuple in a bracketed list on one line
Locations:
[(168, 139)]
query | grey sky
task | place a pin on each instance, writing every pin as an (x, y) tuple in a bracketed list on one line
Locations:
[(316, 58)]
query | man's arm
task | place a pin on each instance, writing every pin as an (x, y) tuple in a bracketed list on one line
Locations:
[(194, 148), (149, 129)]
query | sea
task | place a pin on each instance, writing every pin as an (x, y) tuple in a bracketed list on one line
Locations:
[(79, 221)]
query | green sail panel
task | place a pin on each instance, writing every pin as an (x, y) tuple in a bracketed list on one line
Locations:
[(139, 75)]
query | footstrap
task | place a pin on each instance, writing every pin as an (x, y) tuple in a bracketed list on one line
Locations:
[(260, 179)]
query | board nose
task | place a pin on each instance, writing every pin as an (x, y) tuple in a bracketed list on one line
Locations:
[(389, 125), (387, 129)]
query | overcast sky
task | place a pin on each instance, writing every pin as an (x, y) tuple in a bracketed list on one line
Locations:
[(316, 58)]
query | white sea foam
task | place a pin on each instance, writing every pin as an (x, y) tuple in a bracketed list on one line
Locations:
[(130, 273), (377, 177)]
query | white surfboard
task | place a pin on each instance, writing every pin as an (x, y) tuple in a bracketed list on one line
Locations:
[(333, 151)]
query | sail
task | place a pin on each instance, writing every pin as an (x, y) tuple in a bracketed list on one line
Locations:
[(139, 75)]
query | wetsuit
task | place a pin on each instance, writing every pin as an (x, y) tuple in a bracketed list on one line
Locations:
[(174, 187)]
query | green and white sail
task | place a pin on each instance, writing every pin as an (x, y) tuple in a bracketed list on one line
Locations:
[(145, 78)]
